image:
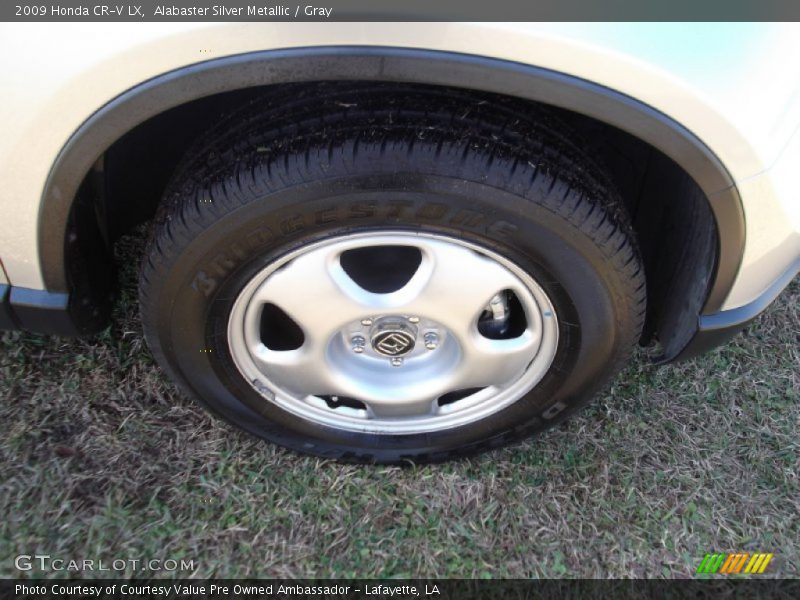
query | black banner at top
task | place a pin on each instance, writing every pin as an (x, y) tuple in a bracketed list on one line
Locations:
[(399, 10)]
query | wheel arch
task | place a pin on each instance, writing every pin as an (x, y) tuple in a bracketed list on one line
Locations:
[(238, 72)]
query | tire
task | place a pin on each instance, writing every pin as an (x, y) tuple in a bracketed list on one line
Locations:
[(499, 184)]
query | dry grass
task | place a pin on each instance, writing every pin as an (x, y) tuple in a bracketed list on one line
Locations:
[(101, 459)]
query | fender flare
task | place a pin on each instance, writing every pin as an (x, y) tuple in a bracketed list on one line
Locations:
[(199, 80)]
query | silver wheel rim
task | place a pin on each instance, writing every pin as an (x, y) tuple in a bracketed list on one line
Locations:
[(452, 286)]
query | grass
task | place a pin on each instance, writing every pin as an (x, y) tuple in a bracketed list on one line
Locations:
[(101, 459)]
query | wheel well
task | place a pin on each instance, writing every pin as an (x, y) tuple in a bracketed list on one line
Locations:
[(671, 215)]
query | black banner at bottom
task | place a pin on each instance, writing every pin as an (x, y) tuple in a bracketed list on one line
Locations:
[(395, 589)]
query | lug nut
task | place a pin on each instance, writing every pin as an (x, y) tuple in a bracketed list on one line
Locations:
[(397, 361), (366, 322), (431, 341), (358, 342), (413, 319)]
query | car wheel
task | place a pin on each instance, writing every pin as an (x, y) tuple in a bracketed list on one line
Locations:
[(378, 273)]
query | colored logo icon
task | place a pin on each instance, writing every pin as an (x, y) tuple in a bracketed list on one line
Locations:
[(734, 563)]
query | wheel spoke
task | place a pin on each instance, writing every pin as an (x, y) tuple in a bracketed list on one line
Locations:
[(497, 362), (454, 284), (389, 408), (316, 293), (296, 370)]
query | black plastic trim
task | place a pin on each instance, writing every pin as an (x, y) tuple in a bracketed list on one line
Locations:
[(717, 329), (6, 316), (40, 311), (241, 71)]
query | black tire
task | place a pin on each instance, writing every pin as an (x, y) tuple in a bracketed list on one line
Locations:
[(315, 161)]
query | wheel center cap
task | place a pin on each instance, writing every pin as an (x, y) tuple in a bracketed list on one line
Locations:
[(393, 337)]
